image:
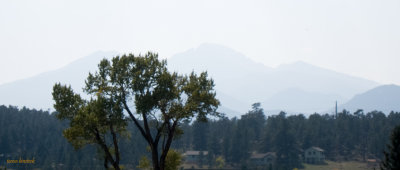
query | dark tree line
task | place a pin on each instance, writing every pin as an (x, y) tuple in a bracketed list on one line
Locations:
[(392, 154), (36, 134), (359, 136), (349, 136)]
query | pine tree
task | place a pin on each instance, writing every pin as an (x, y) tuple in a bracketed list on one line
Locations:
[(392, 157)]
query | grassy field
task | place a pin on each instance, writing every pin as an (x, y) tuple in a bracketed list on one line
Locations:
[(340, 166)]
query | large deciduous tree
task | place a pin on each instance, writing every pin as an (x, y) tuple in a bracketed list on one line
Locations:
[(156, 100)]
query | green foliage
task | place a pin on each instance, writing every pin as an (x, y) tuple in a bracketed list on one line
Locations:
[(392, 156), (162, 99), (144, 163), (173, 160), (349, 136), (147, 80), (87, 118), (220, 162), (91, 122), (200, 130), (248, 131), (286, 147), (30, 133)]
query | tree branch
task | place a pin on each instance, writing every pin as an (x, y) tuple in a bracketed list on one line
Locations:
[(159, 132), (168, 144), (115, 141), (146, 127), (105, 148), (135, 120)]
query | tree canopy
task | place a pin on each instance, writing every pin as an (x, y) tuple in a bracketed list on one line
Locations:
[(149, 93), (97, 121), (37, 134), (392, 156)]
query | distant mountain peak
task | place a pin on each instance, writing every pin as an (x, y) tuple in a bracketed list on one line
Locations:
[(239, 80), (95, 57), (382, 98), (212, 45), (217, 48), (212, 52), (215, 58)]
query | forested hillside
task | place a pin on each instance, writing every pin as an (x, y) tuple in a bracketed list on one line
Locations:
[(33, 134), (359, 136), (349, 136)]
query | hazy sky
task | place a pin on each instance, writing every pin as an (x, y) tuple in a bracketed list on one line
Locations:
[(357, 37)]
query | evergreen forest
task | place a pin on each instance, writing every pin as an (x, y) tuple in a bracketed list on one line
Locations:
[(36, 134)]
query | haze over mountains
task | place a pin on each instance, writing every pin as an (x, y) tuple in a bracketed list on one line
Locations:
[(296, 87), (384, 98), (35, 92)]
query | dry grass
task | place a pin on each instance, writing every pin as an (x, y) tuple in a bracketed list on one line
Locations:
[(351, 165)]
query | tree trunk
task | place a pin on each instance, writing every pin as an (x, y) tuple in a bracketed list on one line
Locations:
[(154, 156), (107, 152)]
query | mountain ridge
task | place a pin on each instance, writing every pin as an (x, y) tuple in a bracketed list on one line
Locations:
[(252, 82), (35, 91), (239, 82), (383, 98)]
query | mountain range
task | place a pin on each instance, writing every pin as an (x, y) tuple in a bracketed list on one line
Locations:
[(296, 87), (385, 98), (35, 92)]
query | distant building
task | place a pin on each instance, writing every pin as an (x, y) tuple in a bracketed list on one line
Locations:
[(194, 156), (373, 163), (314, 155), (262, 159)]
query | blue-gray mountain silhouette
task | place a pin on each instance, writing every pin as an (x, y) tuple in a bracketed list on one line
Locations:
[(385, 98), (297, 87)]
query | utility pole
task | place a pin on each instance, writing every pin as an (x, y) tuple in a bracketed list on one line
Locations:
[(336, 109)]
